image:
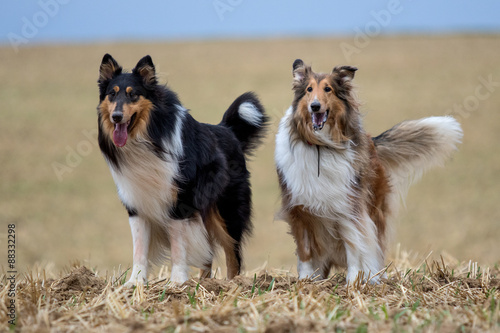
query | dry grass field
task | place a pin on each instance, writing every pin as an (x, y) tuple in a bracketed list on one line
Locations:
[(48, 98), (416, 297)]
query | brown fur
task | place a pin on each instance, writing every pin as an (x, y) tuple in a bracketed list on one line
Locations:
[(217, 230), (378, 206), (106, 108)]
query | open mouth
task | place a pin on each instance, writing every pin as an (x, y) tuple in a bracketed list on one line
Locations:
[(120, 133), (319, 120)]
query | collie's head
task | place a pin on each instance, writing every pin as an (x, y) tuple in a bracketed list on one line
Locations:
[(125, 99), (325, 110)]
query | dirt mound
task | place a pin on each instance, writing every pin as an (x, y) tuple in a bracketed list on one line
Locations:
[(265, 283), (80, 280), (214, 286)]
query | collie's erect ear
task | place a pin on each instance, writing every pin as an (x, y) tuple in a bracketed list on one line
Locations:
[(300, 70), (146, 69), (344, 73), (297, 63), (109, 68)]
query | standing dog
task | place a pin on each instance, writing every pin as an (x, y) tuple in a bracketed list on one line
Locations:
[(339, 185), (184, 184)]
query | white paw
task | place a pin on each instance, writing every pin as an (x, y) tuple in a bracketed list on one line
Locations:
[(179, 274), (307, 271), (354, 274), (175, 280), (314, 276), (137, 277), (134, 283)]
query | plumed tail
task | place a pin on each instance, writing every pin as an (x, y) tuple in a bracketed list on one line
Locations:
[(246, 117), (412, 147)]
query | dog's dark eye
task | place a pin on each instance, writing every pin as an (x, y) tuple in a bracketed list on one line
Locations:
[(328, 89), (309, 89), (112, 93)]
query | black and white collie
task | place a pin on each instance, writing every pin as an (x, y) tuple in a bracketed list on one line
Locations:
[(339, 185), (184, 184)]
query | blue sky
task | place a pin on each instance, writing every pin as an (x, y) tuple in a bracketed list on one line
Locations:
[(124, 20)]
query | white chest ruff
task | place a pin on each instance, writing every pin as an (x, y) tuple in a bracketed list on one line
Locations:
[(329, 194), (146, 182)]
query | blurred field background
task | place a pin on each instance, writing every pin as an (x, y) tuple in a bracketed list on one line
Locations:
[(49, 96)]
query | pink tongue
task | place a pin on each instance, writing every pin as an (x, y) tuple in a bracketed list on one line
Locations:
[(318, 118), (120, 135)]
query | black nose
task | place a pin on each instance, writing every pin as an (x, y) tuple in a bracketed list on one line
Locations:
[(117, 117), (315, 106)]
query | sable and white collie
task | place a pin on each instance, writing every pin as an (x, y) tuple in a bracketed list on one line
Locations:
[(339, 185), (184, 184)]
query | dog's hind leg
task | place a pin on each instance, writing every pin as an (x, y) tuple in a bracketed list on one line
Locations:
[(141, 234), (233, 262), (363, 252), (217, 229), (189, 247), (206, 272), (235, 210), (232, 250), (178, 251)]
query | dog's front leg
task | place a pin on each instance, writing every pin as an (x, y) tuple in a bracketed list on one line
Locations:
[(141, 234), (363, 251), (353, 263), (304, 262), (307, 266)]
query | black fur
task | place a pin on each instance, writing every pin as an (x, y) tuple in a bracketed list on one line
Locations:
[(240, 127), (212, 169), (131, 211)]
